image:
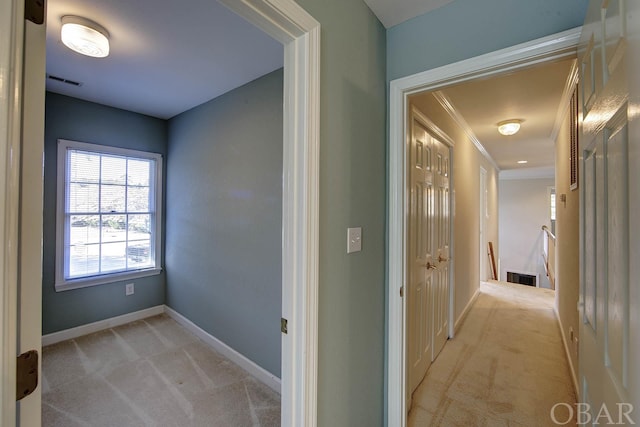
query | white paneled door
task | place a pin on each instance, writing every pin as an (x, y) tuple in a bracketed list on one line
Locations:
[(441, 244), (609, 301), (428, 251)]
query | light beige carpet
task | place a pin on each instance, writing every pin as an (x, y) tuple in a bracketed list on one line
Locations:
[(505, 367), (151, 372)]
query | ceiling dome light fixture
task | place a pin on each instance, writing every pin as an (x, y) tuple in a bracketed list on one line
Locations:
[(509, 127), (84, 36)]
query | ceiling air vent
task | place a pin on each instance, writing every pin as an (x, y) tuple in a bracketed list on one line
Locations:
[(63, 80)]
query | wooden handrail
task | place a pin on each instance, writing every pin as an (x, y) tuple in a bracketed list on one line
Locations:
[(549, 233)]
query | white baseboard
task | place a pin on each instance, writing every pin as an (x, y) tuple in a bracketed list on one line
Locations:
[(466, 310), (574, 376), (100, 325), (248, 365)]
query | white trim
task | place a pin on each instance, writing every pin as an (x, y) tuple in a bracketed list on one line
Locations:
[(31, 208), (550, 48), (266, 377), (466, 310), (431, 127), (289, 23), (156, 190), (561, 45), (11, 54), (100, 325), (574, 377), (448, 106), (397, 274)]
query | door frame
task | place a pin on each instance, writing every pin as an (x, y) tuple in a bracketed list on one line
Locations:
[(553, 47), (299, 32), (11, 48)]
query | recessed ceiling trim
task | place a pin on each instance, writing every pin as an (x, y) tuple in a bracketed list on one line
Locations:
[(462, 123)]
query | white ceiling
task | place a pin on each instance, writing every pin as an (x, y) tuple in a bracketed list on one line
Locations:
[(533, 95), (166, 56), (394, 12)]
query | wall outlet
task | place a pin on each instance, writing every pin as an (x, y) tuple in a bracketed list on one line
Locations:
[(129, 289), (354, 239)]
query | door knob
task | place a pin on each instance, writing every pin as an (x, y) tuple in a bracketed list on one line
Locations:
[(431, 266), (442, 259)]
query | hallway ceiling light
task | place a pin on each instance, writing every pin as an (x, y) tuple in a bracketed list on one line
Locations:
[(509, 127), (522, 162), (84, 36)]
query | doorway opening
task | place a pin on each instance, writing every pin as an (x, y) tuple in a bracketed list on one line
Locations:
[(556, 47), (299, 33)]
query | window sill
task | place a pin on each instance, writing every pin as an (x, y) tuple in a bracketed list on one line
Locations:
[(85, 282)]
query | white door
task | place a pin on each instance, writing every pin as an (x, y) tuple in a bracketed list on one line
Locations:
[(421, 255), (609, 298), (441, 245), (428, 251)]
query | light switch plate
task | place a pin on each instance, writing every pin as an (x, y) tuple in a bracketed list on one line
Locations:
[(129, 289), (354, 239)]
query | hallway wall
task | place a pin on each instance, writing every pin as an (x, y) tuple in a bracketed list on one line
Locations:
[(567, 245), (351, 308), (467, 160)]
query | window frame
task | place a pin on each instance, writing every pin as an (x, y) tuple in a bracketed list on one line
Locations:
[(62, 283)]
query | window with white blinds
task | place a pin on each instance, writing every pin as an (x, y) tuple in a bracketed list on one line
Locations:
[(109, 214)]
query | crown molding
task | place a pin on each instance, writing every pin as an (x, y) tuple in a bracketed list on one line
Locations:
[(462, 123)]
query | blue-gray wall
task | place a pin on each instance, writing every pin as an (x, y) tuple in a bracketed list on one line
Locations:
[(76, 120), (224, 218), (352, 194), (463, 29)]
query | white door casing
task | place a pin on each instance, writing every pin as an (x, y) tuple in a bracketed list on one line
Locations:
[(608, 376), (287, 22), (557, 46), (11, 36), (31, 209)]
